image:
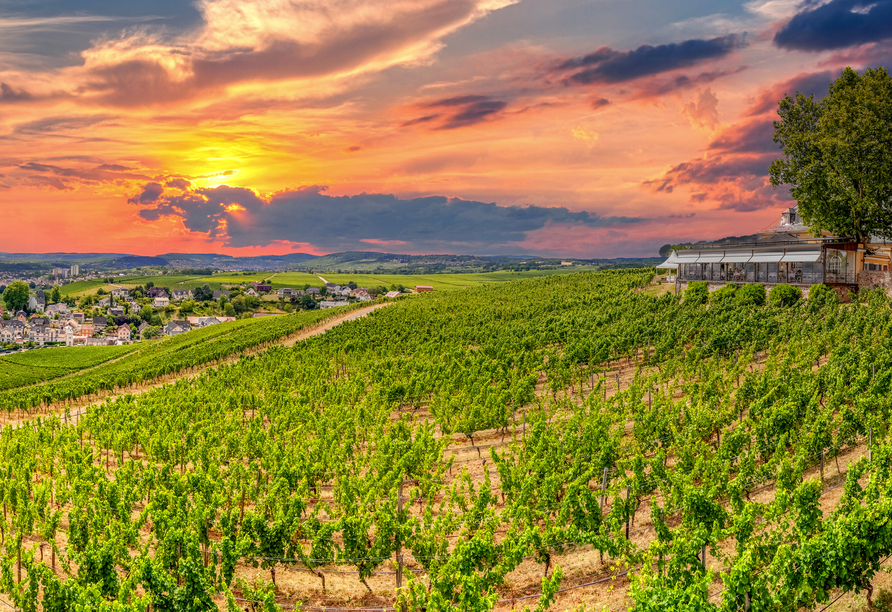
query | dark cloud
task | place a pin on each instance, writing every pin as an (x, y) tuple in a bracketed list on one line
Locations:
[(816, 83), (8, 94), (55, 126), (659, 87), (755, 136), (150, 193), (241, 218), (599, 103), (459, 101), (607, 65), (48, 181), (460, 111), (734, 175), (178, 183), (732, 182), (418, 120), (113, 173), (836, 25)]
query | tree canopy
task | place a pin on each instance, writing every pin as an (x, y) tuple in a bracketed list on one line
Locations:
[(838, 155), (16, 295)]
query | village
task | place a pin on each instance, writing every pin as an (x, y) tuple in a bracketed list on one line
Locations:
[(131, 314)]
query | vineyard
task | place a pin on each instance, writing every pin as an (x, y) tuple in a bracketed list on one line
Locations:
[(144, 362), (31, 367), (542, 442)]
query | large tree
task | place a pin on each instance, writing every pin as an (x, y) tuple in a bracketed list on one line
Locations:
[(838, 155), (16, 295)]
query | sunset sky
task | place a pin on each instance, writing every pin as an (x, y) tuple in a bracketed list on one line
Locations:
[(586, 128)]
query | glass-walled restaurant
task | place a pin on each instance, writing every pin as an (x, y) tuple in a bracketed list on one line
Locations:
[(788, 266)]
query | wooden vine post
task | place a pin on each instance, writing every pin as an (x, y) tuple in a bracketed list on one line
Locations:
[(399, 543)]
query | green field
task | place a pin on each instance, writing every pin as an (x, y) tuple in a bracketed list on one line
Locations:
[(34, 366), (79, 288), (442, 282)]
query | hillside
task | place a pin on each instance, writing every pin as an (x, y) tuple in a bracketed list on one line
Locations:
[(481, 448)]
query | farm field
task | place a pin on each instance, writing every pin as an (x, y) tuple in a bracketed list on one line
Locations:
[(34, 366), (80, 288), (557, 441), (440, 282)]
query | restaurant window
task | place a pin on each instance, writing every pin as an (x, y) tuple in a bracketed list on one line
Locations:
[(834, 263)]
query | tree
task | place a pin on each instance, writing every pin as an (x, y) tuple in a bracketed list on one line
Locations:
[(307, 302), (238, 304), (203, 294), (16, 295), (55, 295), (838, 155), (146, 313)]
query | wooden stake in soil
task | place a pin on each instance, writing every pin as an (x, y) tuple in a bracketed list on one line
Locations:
[(399, 545), (628, 492)]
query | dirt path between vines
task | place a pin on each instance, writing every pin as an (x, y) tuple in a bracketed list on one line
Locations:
[(80, 405)]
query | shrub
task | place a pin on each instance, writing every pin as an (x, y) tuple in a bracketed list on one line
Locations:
[(696, 293), (784, 295), (725, 293), (883, 601), (752, 295), (821, 295)]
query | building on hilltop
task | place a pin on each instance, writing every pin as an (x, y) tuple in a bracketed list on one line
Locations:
[(786, 253)]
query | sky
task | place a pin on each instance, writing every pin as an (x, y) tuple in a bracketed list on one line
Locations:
[(569, 128)]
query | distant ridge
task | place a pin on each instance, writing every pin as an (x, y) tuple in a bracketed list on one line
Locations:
[(60, 256), (135, 261)]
